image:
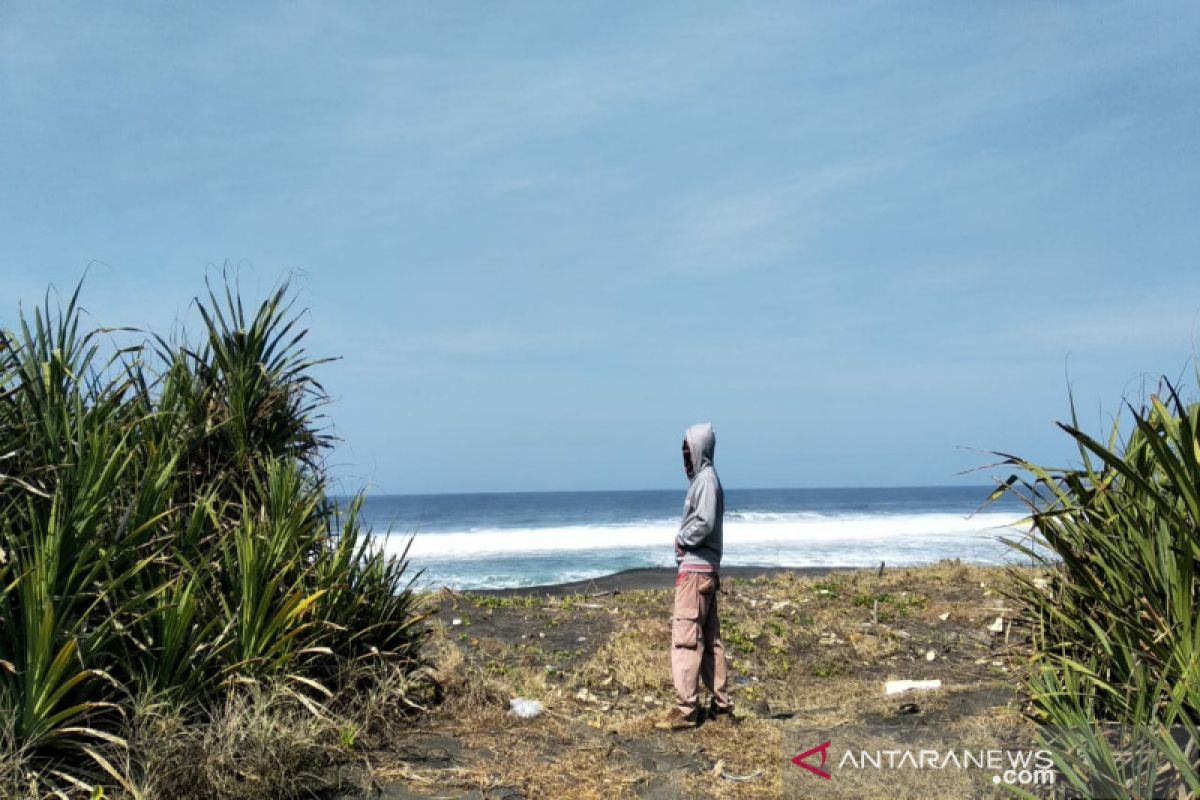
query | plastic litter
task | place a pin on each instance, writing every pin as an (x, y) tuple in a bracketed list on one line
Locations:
[(525, 708)]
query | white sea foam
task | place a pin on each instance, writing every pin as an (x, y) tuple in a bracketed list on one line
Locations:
[(791, 532), (508, 580)]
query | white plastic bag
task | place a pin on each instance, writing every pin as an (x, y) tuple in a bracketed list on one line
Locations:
[(524, 708)]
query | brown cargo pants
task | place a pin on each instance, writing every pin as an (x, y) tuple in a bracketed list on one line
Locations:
[(696, 649)]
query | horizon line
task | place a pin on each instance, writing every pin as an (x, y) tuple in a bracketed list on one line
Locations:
[(670, 489)]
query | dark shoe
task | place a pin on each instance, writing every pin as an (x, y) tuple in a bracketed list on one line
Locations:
[(718, 713), (677, 722)]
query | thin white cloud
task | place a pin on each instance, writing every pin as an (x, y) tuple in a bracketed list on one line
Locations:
[(726, 230), (466, 107)]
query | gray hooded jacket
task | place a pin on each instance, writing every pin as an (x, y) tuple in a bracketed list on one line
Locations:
[(701, 531)]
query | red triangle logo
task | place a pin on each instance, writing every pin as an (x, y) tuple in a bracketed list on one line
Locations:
[(823, 749)]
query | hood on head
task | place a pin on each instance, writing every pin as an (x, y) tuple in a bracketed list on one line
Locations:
[(702, 442)]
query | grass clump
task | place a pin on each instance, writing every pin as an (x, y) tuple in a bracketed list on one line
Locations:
[(1112, 612), (167, 532), (890, 606), (738, 638), (832, 587), (492, 601)]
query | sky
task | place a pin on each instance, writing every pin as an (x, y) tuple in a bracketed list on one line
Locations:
[(869, 241)]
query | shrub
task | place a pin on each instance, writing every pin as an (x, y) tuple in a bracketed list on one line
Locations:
[(1116, 671), (166, 531)]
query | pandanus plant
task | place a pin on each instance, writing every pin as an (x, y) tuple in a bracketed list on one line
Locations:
[(1115, 674), (166, 530)]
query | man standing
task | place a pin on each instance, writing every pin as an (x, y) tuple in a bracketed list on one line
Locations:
[(696, 649)]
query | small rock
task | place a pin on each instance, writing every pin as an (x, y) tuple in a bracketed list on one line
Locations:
[(760, 707), (581, 639), (900, 687), (944, 617), (930, 655), (541, 635), (997, 626), (748, 777), (456, 621)]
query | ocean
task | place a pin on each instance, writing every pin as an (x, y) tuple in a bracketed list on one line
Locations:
[(490, 541)]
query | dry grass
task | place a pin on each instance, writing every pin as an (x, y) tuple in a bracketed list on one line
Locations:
[(634, 659), (16, 780), (261, 743), (816, 650), (384, 697)]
